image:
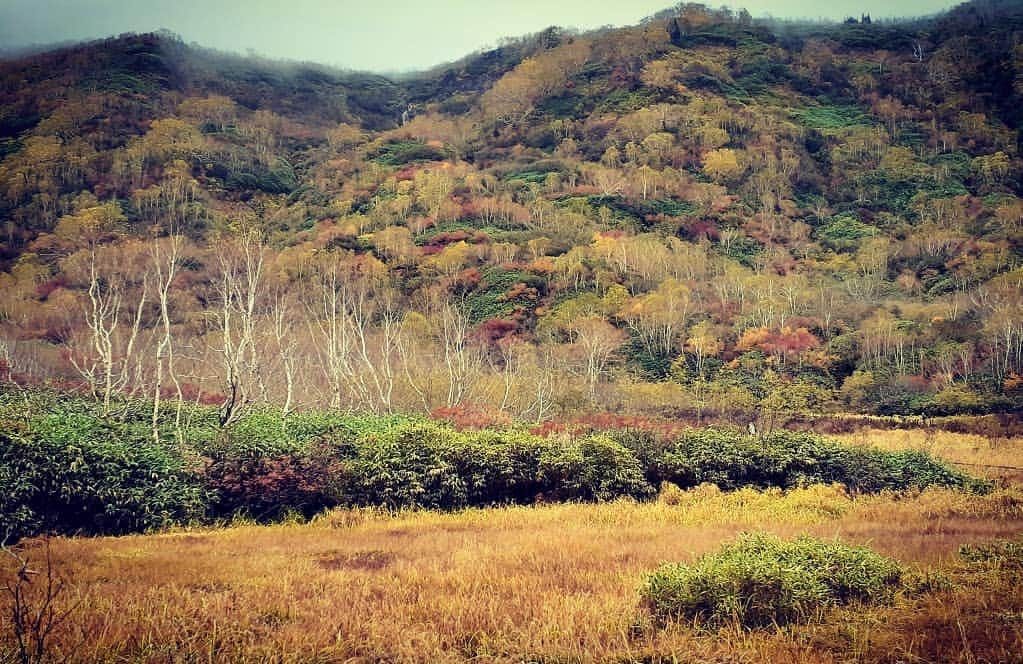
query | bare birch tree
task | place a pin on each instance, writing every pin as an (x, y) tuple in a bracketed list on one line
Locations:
[(113, 316), (165, 254), (239, 287)]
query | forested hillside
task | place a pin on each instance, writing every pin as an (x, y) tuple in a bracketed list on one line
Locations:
[(701, 214)]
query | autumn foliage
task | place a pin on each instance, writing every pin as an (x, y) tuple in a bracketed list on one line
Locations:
[(702, 213)]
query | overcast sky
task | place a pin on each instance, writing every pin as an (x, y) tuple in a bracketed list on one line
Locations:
[(376, 35)]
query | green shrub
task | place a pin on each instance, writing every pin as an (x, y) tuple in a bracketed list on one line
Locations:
[(625, 101), (429, 465), (743, 249), (870, 470), (497, 467), (831, 117), (787, 459), (726, 458), (998, 553), (761, 580), (647, 447), (72, 473), (266, 466), (594, 468), (403, 468), (278, 178), (491, 299), (269, 433), (71, 470), (398, 153), (844, 232), (433, 466)]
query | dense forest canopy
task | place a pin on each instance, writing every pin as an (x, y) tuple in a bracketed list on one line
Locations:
[(703, 213)]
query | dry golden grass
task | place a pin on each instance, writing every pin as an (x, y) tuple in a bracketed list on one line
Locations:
[(554, 583), (976, 617)]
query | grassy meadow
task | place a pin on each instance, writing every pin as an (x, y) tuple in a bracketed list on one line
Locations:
[(550, 583), (695, 340)]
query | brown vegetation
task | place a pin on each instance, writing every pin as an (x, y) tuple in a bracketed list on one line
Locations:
[(549, 583)]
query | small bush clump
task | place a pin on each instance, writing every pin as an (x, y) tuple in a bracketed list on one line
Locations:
[(999, 553), (397, 153), (268, 488), (433, 466), (761, 580), (594, 468)]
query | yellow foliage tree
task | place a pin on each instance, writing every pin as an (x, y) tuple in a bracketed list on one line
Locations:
[(722, 165)]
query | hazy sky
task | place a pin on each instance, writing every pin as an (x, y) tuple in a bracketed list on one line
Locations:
[(379, 35)]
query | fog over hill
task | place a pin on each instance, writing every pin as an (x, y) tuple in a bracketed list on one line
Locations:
[(382, 36)]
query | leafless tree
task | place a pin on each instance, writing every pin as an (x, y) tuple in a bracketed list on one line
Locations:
[(463, 358), (598, 341), (282, 326), (239, 288), (107, 364), (165, 256)]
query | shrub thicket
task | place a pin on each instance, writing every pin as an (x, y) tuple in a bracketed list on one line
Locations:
[(69, 472), (786, 459), (66, 468), (266, 488), (761, 580)]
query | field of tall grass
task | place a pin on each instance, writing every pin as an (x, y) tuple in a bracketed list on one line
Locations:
[(546, 583)]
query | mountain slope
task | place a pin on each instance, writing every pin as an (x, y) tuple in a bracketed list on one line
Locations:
[(701, 212)]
